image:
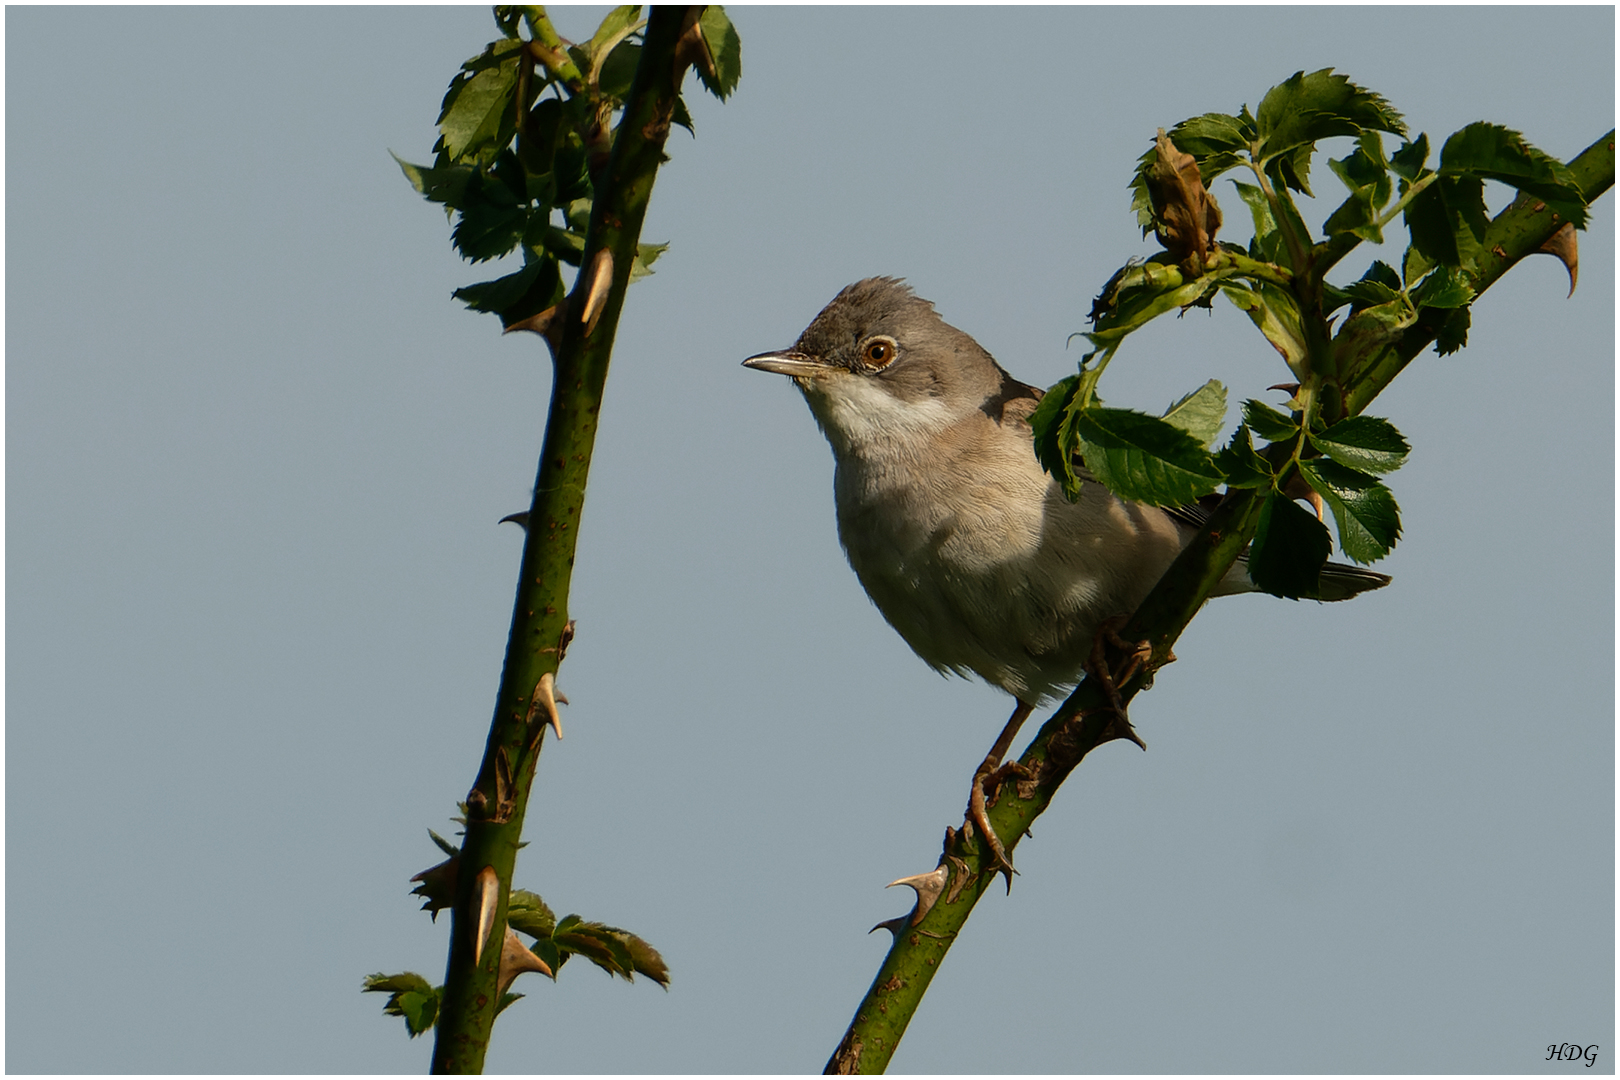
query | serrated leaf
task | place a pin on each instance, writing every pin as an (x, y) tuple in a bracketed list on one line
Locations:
[(528, 914), (1445, 288), (647, 960), (1369, 187), (1493, 152), (1307, 108), (1244, 468), (477, 109), (1414, 266), (1366, 333), (725, 48), (1052, 423), (598, 943), (492, 219), (1408, 161), (1289, 550), (412, 998), (1364, 443), (1201, 413), (1143, 458), (1364, 510), (1366, 293), (646, 255), (1453, 333), (1447, 220), (1211, 133), (1268, 423)]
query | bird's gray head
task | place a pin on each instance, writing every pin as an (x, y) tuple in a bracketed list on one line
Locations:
[(879, 363)]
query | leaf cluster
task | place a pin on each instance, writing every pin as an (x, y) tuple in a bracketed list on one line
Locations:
[(616, 951), (525, 130), (1330, 336)]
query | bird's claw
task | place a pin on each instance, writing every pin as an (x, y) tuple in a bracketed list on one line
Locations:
[(1138, 654)]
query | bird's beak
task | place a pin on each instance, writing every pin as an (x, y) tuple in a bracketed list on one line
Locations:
[(797, 364)]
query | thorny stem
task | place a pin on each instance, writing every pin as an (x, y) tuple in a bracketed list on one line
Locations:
[(1082, 723), (499, 798)]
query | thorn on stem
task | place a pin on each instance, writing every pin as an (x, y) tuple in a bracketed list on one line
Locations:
[(486, 896)]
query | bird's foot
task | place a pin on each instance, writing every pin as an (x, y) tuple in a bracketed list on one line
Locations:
[(1112, 677), (987, 781)]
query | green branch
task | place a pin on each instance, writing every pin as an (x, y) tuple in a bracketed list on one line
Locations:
[(499, 798), (1085, 720)]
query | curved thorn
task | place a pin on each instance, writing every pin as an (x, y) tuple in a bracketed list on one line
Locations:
[(486, 896), (927, 887), (545, 694), (1563, 246), (520, 518), (516, 958), (893, 926)]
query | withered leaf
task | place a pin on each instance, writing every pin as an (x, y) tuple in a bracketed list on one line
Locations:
[(1185, 212)]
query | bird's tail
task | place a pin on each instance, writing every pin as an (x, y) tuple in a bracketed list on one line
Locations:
[(1341, 581)]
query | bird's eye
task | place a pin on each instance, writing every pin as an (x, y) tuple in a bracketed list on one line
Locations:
[(879, 352)]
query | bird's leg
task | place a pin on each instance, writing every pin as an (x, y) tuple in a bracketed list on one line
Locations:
[(989, 777), (1137, 653)]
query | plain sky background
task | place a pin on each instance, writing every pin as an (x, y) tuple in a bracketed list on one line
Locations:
[(258, 597)]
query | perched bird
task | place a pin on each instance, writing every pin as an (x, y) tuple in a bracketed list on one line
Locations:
[(963, 542)]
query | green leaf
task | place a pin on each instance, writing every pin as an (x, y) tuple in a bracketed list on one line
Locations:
[(646, 255), (1369, 330), (1364, 443), (492, 219), (1447, 220), (619, 70), (1201, 413), (1276, 314), (1493, 152), (1289, 550), (618, 20), (647, 961), (1453, 333), (1369, 521), (1306, 108), (1445, 288), (1268, 423), (1244, 468), (476, 117), (528, 914), (1368, 183), (1211, 133), (725, 47), (444, 845), (1407, 162), (1052, 422), (516, 296), (441, 185), (549, 954), (1414, 266), (1268, 242), (410, 997), (1142, 458), (602, 945)]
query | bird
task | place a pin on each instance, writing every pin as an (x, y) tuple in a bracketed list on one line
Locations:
[(964, 543)]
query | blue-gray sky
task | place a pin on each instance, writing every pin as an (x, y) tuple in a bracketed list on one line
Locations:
[(258, 596)]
